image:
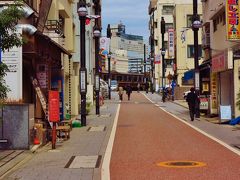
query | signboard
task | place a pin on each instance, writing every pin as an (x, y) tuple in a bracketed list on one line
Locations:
[(97, 83), (54, 113), (214, 105), (171, 43), (197, 80), (203, 103), (105, 43), (232, 20), (157, 59), (83, 83), (218, 63), (225, 113), (13, 59), (42, 75)]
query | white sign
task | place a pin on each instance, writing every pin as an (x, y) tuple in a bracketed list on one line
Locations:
[(197, 81), (42, 75), (105, 43), (13, 59), (157, 59), (171, 43), (225, 113), (83, 81)]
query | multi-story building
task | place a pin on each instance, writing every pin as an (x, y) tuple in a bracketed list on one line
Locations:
[(166, 9), (184, 54), (132, 44), (221, 55)]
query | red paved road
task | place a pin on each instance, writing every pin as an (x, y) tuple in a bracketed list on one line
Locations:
[(146, 135)]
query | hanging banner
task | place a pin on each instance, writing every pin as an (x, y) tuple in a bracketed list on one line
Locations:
[(232, 20), (53, 108), (105, 43), (157, 59), (171, 42)]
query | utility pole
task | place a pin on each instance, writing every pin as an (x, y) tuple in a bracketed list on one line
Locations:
[(144, 62), (109, 35), (82, 12), (97, 34), (163, 30), (195, 26)]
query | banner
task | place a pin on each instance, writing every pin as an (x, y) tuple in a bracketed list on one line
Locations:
[(232, 20), (157, 59), (105, 43), (171, 43)]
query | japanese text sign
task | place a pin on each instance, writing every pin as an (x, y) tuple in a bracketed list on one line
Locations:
[(54, 114), (232, 19), (171, 42)]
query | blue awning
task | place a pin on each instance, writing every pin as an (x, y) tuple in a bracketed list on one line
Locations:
[(188, 75)]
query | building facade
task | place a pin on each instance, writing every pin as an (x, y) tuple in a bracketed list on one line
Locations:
[(221, 56)]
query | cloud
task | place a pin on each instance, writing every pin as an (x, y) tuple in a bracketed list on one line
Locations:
[(132, 13)]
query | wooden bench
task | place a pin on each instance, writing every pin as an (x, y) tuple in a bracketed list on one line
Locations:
[(65, 130)]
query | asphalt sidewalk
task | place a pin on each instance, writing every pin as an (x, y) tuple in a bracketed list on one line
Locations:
[(224, 132), (80, 157)]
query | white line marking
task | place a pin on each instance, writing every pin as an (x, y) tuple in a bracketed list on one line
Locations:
[(157, 105), (105, 171), (201, 131)]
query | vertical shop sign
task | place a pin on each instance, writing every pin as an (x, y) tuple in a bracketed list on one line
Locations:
[(214, 92), (157, 59), (232, 20), (171, 42), (54, 114)]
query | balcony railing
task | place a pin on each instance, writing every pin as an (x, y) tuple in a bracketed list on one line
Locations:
[(56, 26)]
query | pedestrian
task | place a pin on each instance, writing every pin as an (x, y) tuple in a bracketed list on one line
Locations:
[(129, 91), (192, 100), (138, 87), (146, 87), (120, 93)]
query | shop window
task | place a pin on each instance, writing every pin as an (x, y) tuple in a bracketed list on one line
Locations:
[(190, 51)]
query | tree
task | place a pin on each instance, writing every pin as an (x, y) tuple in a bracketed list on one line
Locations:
[(9, 18)]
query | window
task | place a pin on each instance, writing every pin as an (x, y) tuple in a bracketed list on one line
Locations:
[(155, 24), (168, 26), (214, 25), (167, 10), (156, 43), (190, 51)]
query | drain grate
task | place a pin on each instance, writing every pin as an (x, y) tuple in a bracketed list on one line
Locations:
[(181, 164), (77, 162)]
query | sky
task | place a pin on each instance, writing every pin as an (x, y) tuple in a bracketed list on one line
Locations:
[(132, 13)]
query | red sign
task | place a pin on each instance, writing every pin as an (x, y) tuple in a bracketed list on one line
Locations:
[(219, 63), (54, 114)]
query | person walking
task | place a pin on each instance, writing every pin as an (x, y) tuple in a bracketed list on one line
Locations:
[(138, 87), (120, 93), (192, 100), (129, 91), (146, 87)]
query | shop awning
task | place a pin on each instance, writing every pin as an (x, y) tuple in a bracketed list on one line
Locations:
[(188, 75)]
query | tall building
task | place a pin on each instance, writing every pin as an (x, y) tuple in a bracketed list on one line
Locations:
[(166, 9), (132, 44)]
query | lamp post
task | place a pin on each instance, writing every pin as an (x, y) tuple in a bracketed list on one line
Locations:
[(97, 34), (163, 50), (196, 24), (144, 62), (109, 76), (82, 12), (109, 35)]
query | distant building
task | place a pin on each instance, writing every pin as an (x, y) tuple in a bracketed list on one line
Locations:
[(132, 44)]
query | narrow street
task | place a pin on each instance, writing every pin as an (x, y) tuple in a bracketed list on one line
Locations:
[(147, 136)]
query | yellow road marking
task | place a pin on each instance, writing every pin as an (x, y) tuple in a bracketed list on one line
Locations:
[(181, 164)]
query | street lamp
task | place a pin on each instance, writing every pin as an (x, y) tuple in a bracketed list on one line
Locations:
[(163, 30), (109, 75), (196, 24), (97, 34), (82, 12)]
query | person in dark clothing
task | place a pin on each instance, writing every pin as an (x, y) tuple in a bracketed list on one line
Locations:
[(129, 91), (146, 87), (192, 99)]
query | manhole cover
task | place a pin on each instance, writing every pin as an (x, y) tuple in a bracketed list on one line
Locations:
[(181, 164)]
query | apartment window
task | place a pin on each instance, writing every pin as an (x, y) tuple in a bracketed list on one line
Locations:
[(168, 26), (165, 44), (156, 43), (214, 25), (155, 24), (167, 10), (190, 51)]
